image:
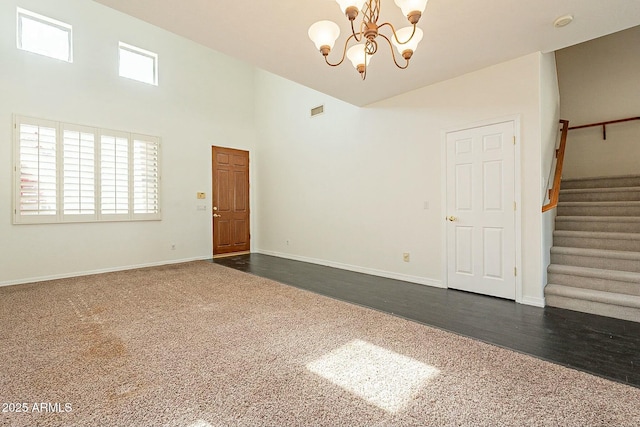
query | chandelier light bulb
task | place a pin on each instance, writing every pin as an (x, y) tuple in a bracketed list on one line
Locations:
[(345, 4), (324, 35), (403, 35), (357, 56), (412, 9)]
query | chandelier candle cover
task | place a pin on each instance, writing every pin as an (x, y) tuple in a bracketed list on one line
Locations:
[(325, 33)]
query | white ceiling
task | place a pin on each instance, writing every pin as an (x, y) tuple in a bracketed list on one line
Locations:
[(460, 36)]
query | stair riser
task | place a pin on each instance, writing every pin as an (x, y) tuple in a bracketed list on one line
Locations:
[(601, 309), (633, 181), (592, 262), (599, 210), (611, 227), (590, 243), (614, 196), (597, 284)]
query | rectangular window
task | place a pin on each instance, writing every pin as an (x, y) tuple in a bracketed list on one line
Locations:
[(44, 36), (138, 64), (71, 173)]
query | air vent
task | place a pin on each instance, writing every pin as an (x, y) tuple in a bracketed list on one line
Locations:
[(317, 110)]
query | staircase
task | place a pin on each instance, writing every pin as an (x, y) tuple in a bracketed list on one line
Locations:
[(595, 260)]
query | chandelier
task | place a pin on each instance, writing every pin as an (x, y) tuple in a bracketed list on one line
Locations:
[(325, 33)]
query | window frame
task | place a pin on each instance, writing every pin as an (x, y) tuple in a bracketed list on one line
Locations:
[(141, 52), (98, 215), (68, 28)]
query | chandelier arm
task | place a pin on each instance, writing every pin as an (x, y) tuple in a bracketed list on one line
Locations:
[(355, 35), (344, 52), (395, 36), (393, 54)]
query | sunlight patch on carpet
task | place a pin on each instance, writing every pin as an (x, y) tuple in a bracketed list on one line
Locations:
[(200, 423), (382, 377)]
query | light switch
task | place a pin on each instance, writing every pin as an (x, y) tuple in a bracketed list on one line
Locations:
[(202, 195)]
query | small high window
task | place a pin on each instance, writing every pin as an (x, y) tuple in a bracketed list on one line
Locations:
[(138, 64), (44, 36)]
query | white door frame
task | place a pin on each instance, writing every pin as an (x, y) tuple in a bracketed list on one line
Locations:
[(518, 194)]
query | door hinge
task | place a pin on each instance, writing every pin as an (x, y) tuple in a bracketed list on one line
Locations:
[(514, 140), (515, 206), (515, 271)]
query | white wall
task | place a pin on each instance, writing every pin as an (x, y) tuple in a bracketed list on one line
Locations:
[(549, 125), (203, 99), (349, 187), (599, 82)]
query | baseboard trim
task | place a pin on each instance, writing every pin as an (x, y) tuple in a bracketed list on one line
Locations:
[(371, 271), (536, 302), (100, 271)]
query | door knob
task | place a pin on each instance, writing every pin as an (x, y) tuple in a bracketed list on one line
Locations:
[(215, 208), (452, 218), (216, 216)]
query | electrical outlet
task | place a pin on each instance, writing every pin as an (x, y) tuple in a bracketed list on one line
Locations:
[(173, 246), (406, 257), (287, 241)]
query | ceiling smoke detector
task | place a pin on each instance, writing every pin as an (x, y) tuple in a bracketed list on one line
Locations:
[(563, 21)]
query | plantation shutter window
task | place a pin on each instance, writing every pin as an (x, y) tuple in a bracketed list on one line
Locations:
[(79, 168), (146, 176), (114, 175), (38, 184), (72, 173)]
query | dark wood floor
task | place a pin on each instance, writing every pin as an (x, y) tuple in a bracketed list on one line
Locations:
[(600, 345)]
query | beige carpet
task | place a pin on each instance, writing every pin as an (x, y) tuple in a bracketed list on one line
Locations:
[(200, 345)]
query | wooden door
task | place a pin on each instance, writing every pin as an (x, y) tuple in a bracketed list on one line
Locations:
[(481, 210), (230, 200)]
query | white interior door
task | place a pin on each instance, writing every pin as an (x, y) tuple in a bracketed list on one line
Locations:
[(481, 210)]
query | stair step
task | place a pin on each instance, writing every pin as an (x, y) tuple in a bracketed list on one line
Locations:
[(622, 282), (596, 258), (621, 224), (600, 194), (597, 240), (602, 182), (599, 208), (609, 304)]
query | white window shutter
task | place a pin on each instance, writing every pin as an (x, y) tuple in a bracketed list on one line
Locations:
[(79, 172), (114, 175), (146, 176), (38, 184)]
